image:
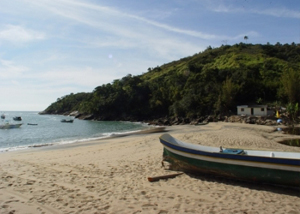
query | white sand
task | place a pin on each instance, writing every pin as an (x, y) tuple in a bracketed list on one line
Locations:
[(110, 176)]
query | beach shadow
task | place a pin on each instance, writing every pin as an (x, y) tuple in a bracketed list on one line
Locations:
[(284, 190)]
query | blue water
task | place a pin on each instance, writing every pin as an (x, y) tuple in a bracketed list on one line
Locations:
[(50, 131)]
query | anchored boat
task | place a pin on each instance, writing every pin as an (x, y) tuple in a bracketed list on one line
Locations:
[(10, 126)]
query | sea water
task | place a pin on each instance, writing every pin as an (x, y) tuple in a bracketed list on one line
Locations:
[(45, 130)]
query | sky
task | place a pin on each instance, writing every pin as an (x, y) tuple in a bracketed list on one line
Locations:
[(52, 48)]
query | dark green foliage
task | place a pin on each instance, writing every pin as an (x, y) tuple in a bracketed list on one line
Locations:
[(211, 82), (68, 103)]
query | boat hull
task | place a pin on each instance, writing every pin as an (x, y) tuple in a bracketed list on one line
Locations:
[(10, 126), (17, 119), (238, 167), (66, 121)]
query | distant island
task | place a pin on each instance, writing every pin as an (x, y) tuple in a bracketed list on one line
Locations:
[(208, 84)]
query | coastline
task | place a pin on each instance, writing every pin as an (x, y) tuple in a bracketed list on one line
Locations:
[(109, 175), (27, 137)]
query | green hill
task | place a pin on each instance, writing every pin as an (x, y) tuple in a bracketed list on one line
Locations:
[(211, 82)]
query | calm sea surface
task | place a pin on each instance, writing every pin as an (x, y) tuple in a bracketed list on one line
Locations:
[(49, 130)]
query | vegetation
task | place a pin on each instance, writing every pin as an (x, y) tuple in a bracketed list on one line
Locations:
[(211, 82)]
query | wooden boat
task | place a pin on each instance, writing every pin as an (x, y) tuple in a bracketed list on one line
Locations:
[(279, 168), (10, 126)]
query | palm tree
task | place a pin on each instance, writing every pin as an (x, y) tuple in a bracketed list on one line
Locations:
[(246, 38)]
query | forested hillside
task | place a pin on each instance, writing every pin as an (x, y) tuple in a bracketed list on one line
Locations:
[(212, 82)]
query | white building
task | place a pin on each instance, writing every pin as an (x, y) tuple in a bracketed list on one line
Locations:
[(253, 110)]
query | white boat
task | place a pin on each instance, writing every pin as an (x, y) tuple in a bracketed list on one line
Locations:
[(10, 126)]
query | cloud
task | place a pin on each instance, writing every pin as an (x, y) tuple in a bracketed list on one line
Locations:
[(95, 15), (178, 30), (279, 12), (275, 11), (85, 77), (19, 34), (221, 8), (107, 27), (9, 69)]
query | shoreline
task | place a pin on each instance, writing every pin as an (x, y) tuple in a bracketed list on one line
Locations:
[(110, 176), (57, 143)]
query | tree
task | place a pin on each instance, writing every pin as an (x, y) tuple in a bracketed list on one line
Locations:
[(293, 110), (246, 38), (212, 81), (290, 83), (226, 98)]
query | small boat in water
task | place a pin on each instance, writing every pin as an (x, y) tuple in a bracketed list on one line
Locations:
[(2, 116), (10, 126), (32, 124), (18, 118), (67, 120), (273, 167)]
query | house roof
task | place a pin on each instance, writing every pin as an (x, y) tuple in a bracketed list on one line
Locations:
[(252, 106)]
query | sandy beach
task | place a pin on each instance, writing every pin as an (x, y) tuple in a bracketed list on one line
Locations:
[(110, 176)]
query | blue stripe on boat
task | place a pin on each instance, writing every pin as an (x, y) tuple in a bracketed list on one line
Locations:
[(284, 161)]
